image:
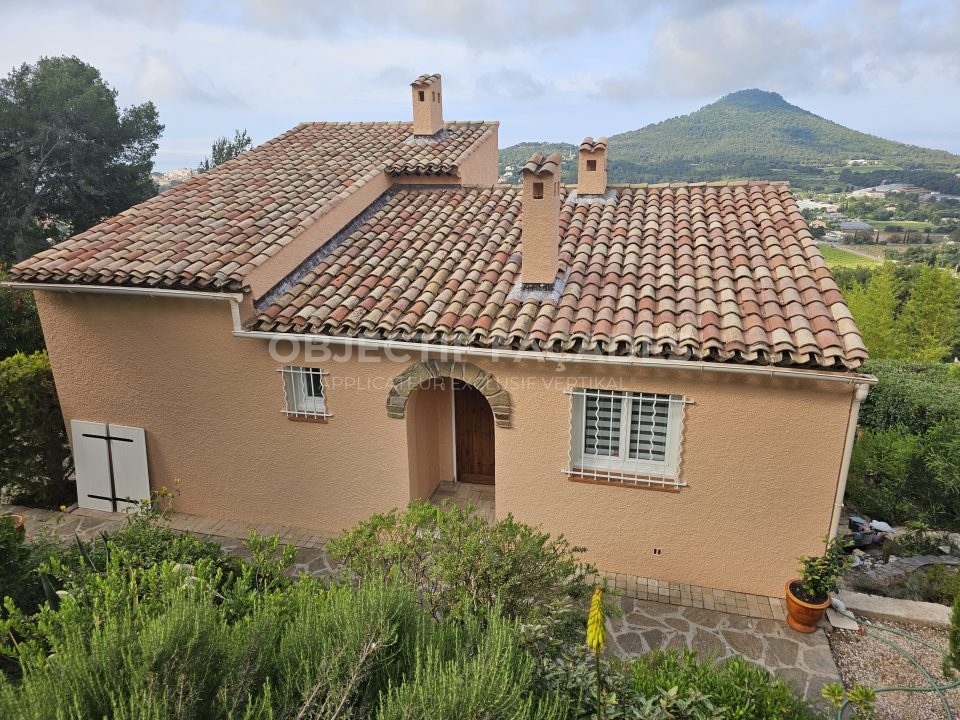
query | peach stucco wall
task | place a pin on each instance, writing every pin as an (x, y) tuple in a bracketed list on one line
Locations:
[(211, 407), (761, 458), (430, 437), (761, 455)]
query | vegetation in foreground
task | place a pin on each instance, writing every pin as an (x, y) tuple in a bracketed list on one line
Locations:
[(130, 623)]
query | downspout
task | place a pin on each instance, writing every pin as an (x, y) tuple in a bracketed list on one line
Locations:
[(859, 395)]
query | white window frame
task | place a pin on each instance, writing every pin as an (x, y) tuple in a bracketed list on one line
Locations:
[(300, 400), (621, 468)]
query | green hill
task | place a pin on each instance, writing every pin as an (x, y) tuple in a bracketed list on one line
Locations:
[(751, 134)]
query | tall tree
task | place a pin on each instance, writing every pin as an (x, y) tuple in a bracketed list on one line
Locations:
[(68, 156), (224, 149), (930, 320), (874, 306)]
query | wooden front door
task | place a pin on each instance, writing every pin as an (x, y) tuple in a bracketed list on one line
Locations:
[(473, 420)]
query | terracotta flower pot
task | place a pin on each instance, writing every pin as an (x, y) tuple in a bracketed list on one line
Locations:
[(802, 616), (18, 522)]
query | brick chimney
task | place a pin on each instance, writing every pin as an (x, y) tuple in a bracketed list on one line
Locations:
[(427, 105), (540, 220), (592, 172)]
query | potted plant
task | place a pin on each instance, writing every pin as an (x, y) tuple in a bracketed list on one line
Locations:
[(16, 520), (808, 596)]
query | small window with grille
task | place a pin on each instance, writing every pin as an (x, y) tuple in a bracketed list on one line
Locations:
[(626, 437), (304, 392)]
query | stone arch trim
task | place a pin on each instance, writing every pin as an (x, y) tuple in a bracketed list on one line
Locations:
[(411, 378)]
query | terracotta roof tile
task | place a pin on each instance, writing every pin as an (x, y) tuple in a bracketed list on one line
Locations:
[(633, 284), (540, 165), (213, 229), (590, 145)]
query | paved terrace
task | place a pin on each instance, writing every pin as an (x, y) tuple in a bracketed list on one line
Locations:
[(657, 614)]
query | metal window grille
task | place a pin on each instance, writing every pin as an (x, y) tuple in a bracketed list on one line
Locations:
[(304, 392), (625, 437)]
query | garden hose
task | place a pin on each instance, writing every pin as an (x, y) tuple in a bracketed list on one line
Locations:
[(934, 686)]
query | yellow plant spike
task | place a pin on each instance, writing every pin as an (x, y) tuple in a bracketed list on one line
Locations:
[(596, 630)]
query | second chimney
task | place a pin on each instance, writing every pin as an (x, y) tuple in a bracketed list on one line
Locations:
[(592, 173), (427, 105), (541, 220)]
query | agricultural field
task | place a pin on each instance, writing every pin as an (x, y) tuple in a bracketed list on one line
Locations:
[(837, 258)]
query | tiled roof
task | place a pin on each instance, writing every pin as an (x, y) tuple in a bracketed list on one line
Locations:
[(717, 271), (590, 145), (540, 165), (425, 80), (213, 229)]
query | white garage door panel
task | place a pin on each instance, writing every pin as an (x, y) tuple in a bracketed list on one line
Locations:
[(91, 464), (129, 450)]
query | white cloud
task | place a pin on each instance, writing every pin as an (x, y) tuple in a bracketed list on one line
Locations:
[(161, 78), (558, 70)]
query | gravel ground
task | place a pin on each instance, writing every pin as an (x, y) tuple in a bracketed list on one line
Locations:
[(865, 660)]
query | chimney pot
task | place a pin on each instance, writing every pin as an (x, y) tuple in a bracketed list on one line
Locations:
[(540, 220), (427, 106), (592, 169)]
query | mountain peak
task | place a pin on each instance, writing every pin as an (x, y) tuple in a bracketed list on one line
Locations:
[(755, 99), (751, 133)]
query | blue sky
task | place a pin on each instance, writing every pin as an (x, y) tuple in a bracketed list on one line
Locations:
[(547, 69)]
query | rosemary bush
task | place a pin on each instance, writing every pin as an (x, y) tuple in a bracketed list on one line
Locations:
[(444, 617)]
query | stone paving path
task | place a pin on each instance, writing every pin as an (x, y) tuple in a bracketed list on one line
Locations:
[(805, 661), (480, 496)]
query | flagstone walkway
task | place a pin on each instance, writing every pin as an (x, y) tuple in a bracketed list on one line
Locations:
[(805, 661)]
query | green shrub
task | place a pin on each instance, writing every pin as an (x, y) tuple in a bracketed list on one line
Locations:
[(35, 461), (158, 643), (918, 539), (735, 687), (906, 459), (951, 662), (19, 322), (20, 560), (458, 563), (883, 467), (941, 584), (667, 684), (910, 395), (144, 540), (901, 477), (154, 625)]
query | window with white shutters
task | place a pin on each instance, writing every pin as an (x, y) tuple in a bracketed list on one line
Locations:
[(304, 392), (626, 436)]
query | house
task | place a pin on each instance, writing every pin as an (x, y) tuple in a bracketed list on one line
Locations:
[(335, 322)]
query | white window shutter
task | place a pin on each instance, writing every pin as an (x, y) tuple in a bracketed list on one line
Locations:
[(128, 450), (124, 461), (91, 465)]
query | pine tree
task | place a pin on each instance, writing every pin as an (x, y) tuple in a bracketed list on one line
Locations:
[(930, 321), (874, 308)]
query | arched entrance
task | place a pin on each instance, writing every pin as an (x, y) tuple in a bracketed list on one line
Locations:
[(452, 411)]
